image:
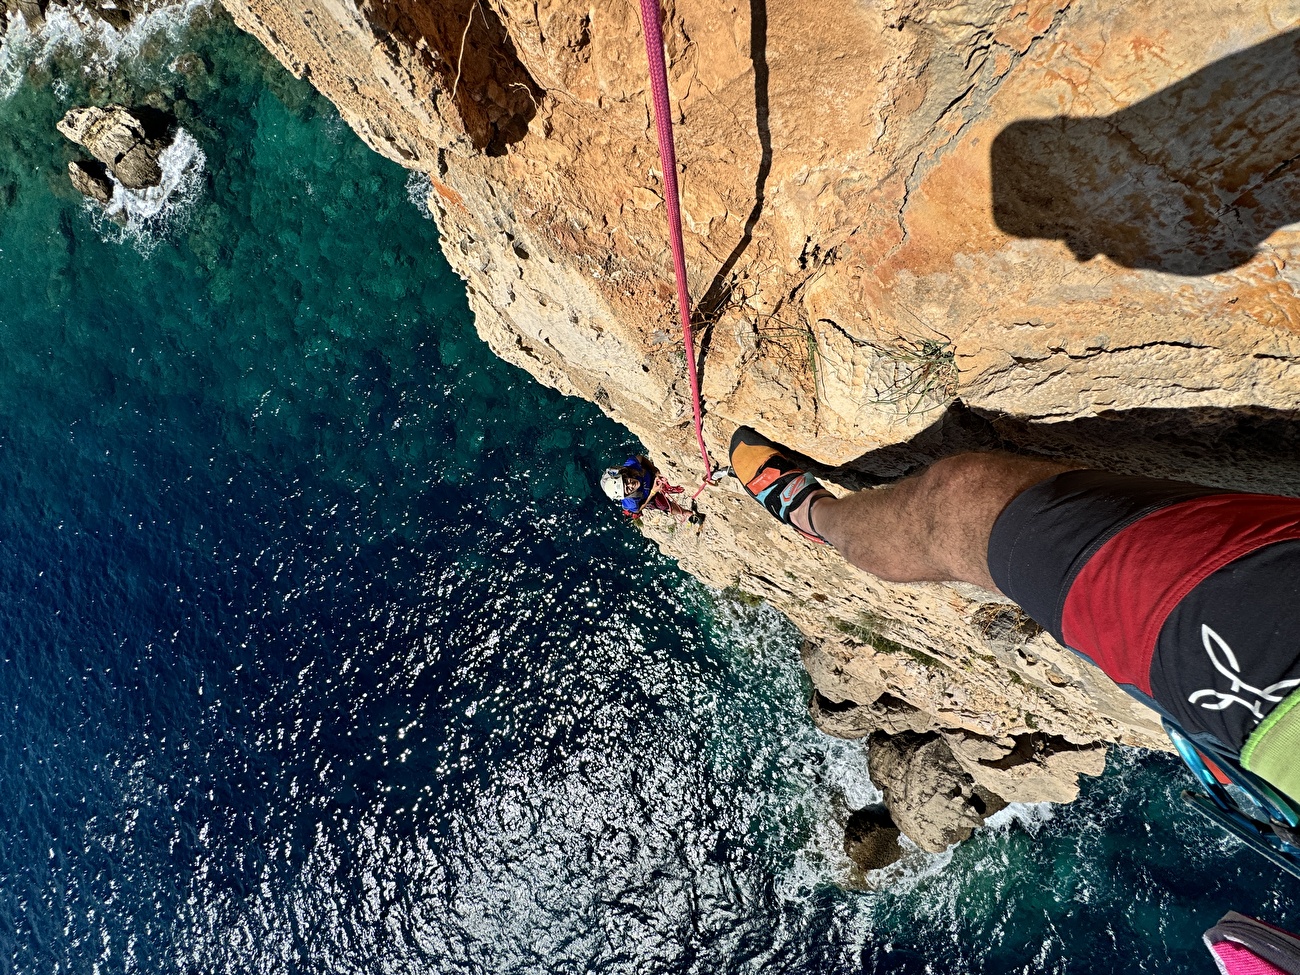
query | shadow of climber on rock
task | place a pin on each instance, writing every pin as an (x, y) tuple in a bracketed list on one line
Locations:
[(1189, 180)]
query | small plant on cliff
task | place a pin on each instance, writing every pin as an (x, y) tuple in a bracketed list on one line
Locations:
[(734, 593), (866, 629), (794, 345), (915, 374)]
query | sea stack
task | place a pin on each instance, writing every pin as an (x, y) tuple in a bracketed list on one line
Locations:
[(90, 178), (121, 141)]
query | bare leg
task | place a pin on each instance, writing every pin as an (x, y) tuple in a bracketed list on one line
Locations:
[(932, 527)]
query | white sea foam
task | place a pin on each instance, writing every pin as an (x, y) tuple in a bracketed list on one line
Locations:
[(15, 44), (843, 786), (97, 45), (1029, 815), (418, 188), (916, 867), (143, 218), (845, 782), (845, 772)]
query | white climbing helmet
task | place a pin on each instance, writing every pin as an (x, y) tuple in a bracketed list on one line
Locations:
[(611, 482)]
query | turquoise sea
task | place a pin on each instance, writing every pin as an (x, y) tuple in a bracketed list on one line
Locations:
[(320, 652)]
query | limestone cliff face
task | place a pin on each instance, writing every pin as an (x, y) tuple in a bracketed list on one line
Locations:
[(912, 227)]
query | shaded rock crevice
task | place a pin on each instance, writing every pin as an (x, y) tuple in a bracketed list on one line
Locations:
[(470, 53)]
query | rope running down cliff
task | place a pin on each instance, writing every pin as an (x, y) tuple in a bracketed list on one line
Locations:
[(654, 49)]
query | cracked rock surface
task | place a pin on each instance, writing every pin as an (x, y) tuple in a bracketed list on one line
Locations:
[(930, 796), (912, 228), (90, 178), (120, 141)]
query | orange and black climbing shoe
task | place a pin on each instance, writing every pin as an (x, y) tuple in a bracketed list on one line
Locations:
[(777, 482)]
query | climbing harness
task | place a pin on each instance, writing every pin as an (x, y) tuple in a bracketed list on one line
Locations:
[(663, 501), (1241, 803), (654, 492), (654, 49)]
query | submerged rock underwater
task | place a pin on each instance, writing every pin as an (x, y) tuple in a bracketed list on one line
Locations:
[(323, 653)]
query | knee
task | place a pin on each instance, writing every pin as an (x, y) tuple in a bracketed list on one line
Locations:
[(972, 489), (957, 475)]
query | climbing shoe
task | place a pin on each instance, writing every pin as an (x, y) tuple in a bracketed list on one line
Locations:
[(776, 481)]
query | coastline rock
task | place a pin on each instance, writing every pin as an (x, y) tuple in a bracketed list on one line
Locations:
[(119, 140), (33, 11), (116, 17), (911, 229), (116, 13), (851, 720), (90, 179), (1027, 768), (871, 839), (929, 795)]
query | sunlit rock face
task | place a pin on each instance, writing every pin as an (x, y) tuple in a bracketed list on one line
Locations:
[(90, 178), (911, 229), (119, 140)]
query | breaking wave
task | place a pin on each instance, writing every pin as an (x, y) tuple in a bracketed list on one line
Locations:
[(75, 34), (1029, 816), (143, 218), (418, 188)]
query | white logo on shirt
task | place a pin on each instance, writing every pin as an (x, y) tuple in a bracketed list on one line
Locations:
[(1213, 700)]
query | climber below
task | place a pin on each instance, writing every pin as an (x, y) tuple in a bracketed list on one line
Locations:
[(638, 486), (1188, 597)]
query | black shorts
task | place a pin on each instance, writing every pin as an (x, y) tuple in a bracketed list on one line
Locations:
[(1187, 597)]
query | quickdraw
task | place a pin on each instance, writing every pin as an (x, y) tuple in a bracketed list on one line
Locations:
[(1240, 803)]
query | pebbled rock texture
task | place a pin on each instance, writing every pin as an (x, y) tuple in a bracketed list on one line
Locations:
[(912, 227), (871, 842)]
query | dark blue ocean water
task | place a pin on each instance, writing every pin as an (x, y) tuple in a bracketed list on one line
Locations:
[(319, 651)]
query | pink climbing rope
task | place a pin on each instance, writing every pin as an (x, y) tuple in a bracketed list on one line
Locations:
[(654, 49)]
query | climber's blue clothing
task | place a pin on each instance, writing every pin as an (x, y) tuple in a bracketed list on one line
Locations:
[(635, 502)]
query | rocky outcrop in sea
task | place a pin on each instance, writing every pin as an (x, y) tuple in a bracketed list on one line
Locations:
[(116, 13), (122, 143), (911, 229)]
